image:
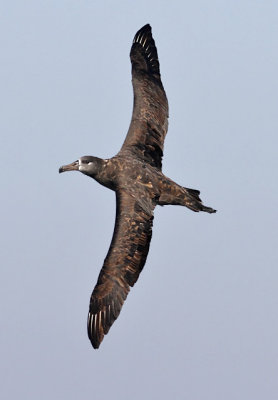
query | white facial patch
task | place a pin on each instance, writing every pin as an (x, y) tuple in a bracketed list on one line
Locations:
[(80, 166), (84, 166)]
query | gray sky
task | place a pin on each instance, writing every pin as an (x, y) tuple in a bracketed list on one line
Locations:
[(201, 322)]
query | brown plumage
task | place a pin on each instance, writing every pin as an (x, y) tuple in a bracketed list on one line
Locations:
[(136, 177)]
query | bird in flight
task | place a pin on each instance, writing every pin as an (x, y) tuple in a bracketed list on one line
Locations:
[(135, 175)]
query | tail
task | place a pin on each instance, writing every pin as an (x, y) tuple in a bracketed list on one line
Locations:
[(194, 203)]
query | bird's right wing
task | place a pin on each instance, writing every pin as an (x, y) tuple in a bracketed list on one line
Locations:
[(124, 262), (149, 123)]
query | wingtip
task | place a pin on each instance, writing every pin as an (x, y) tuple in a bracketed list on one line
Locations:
[(95, 345), (143, 39), (94, 329), (146, 27)]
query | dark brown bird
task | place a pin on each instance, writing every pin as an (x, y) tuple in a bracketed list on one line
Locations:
[(136, 177)]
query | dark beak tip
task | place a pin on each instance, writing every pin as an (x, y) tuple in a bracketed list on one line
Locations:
[(61, 170)]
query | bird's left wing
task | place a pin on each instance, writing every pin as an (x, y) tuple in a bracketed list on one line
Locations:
[(124, 262)]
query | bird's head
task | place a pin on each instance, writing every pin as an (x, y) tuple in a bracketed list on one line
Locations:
[(88, 165)]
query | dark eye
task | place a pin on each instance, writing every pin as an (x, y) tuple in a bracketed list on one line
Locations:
[(85, 162)]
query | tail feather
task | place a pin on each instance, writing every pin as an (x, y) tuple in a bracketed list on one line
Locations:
[(194, 193), (181, 196), (194, 203)]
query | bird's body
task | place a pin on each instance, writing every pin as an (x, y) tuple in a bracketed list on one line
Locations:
[(135, 175)]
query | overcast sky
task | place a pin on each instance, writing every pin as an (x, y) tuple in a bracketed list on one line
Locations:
[(201, 323)]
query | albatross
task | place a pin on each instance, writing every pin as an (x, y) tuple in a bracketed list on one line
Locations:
[(135, 175)]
